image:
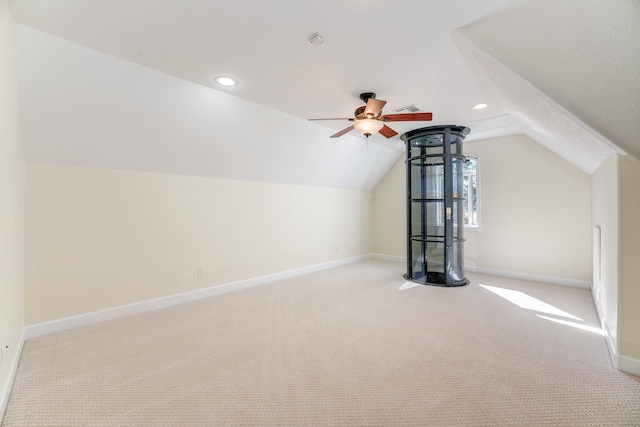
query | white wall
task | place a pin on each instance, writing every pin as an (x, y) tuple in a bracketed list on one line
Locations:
[(535, 211), (604, 192), (629, 278), (83, 107), (390, 213), (11, 205), (616, 203), (99, 238)]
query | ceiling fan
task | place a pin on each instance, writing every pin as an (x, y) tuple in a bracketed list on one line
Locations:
[(368, 119)]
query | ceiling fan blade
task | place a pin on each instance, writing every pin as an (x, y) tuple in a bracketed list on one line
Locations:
[(410, 117), (374, 107), (335, 118), (388, 132), (342, 132)]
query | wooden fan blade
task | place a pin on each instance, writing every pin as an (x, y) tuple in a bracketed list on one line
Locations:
[(388, 132), (342, 132), (341, 118), (410, 117), (374, 107)]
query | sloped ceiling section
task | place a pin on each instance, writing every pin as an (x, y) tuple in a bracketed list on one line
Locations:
[(88, 108), (129, 84), (403, 52), (540, 117), (567, 72)]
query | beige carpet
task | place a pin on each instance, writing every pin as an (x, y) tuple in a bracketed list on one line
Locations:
[(341, 347)]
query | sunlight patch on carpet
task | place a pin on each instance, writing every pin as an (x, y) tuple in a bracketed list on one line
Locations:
[(528, 302), (408, 285), (574, 325)]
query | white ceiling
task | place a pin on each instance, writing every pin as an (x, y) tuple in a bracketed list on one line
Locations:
[(128, 84), (568, 71)]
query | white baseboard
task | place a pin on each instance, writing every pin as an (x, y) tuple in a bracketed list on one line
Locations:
[(583, 284), (389, 257), (628, 365), (45, 328), (620, 362), (5, 392)]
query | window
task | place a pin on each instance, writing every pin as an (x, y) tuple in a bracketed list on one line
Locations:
[(471, 193)]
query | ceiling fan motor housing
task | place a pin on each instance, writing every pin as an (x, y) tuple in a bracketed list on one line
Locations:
[(359, 113)]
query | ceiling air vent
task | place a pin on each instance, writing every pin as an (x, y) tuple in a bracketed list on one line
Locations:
[(407, 109)]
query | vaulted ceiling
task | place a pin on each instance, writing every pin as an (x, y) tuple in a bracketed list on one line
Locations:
[(129, 84)]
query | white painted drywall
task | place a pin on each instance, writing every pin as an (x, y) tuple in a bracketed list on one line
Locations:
[(390, 212), (11, 205), (86, 108), (583, 54), (535, 211), (629, 279), (99, 238), (604, 212)]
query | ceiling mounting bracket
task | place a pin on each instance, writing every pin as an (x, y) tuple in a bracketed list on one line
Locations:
[(365, 96)]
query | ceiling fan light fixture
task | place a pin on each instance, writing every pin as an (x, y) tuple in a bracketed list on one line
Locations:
[(368, 127)]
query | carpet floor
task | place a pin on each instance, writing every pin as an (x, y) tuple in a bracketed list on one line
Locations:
[(339, 347)]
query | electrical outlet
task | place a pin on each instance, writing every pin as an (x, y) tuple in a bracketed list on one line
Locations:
[(200, 272)]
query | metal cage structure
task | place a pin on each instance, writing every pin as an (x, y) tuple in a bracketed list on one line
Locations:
[(435, 205)]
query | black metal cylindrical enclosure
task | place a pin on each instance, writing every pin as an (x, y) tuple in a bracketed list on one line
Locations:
[(435, 212)]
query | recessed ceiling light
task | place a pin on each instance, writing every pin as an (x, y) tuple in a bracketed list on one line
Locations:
[(479, 106), (226, 81)]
